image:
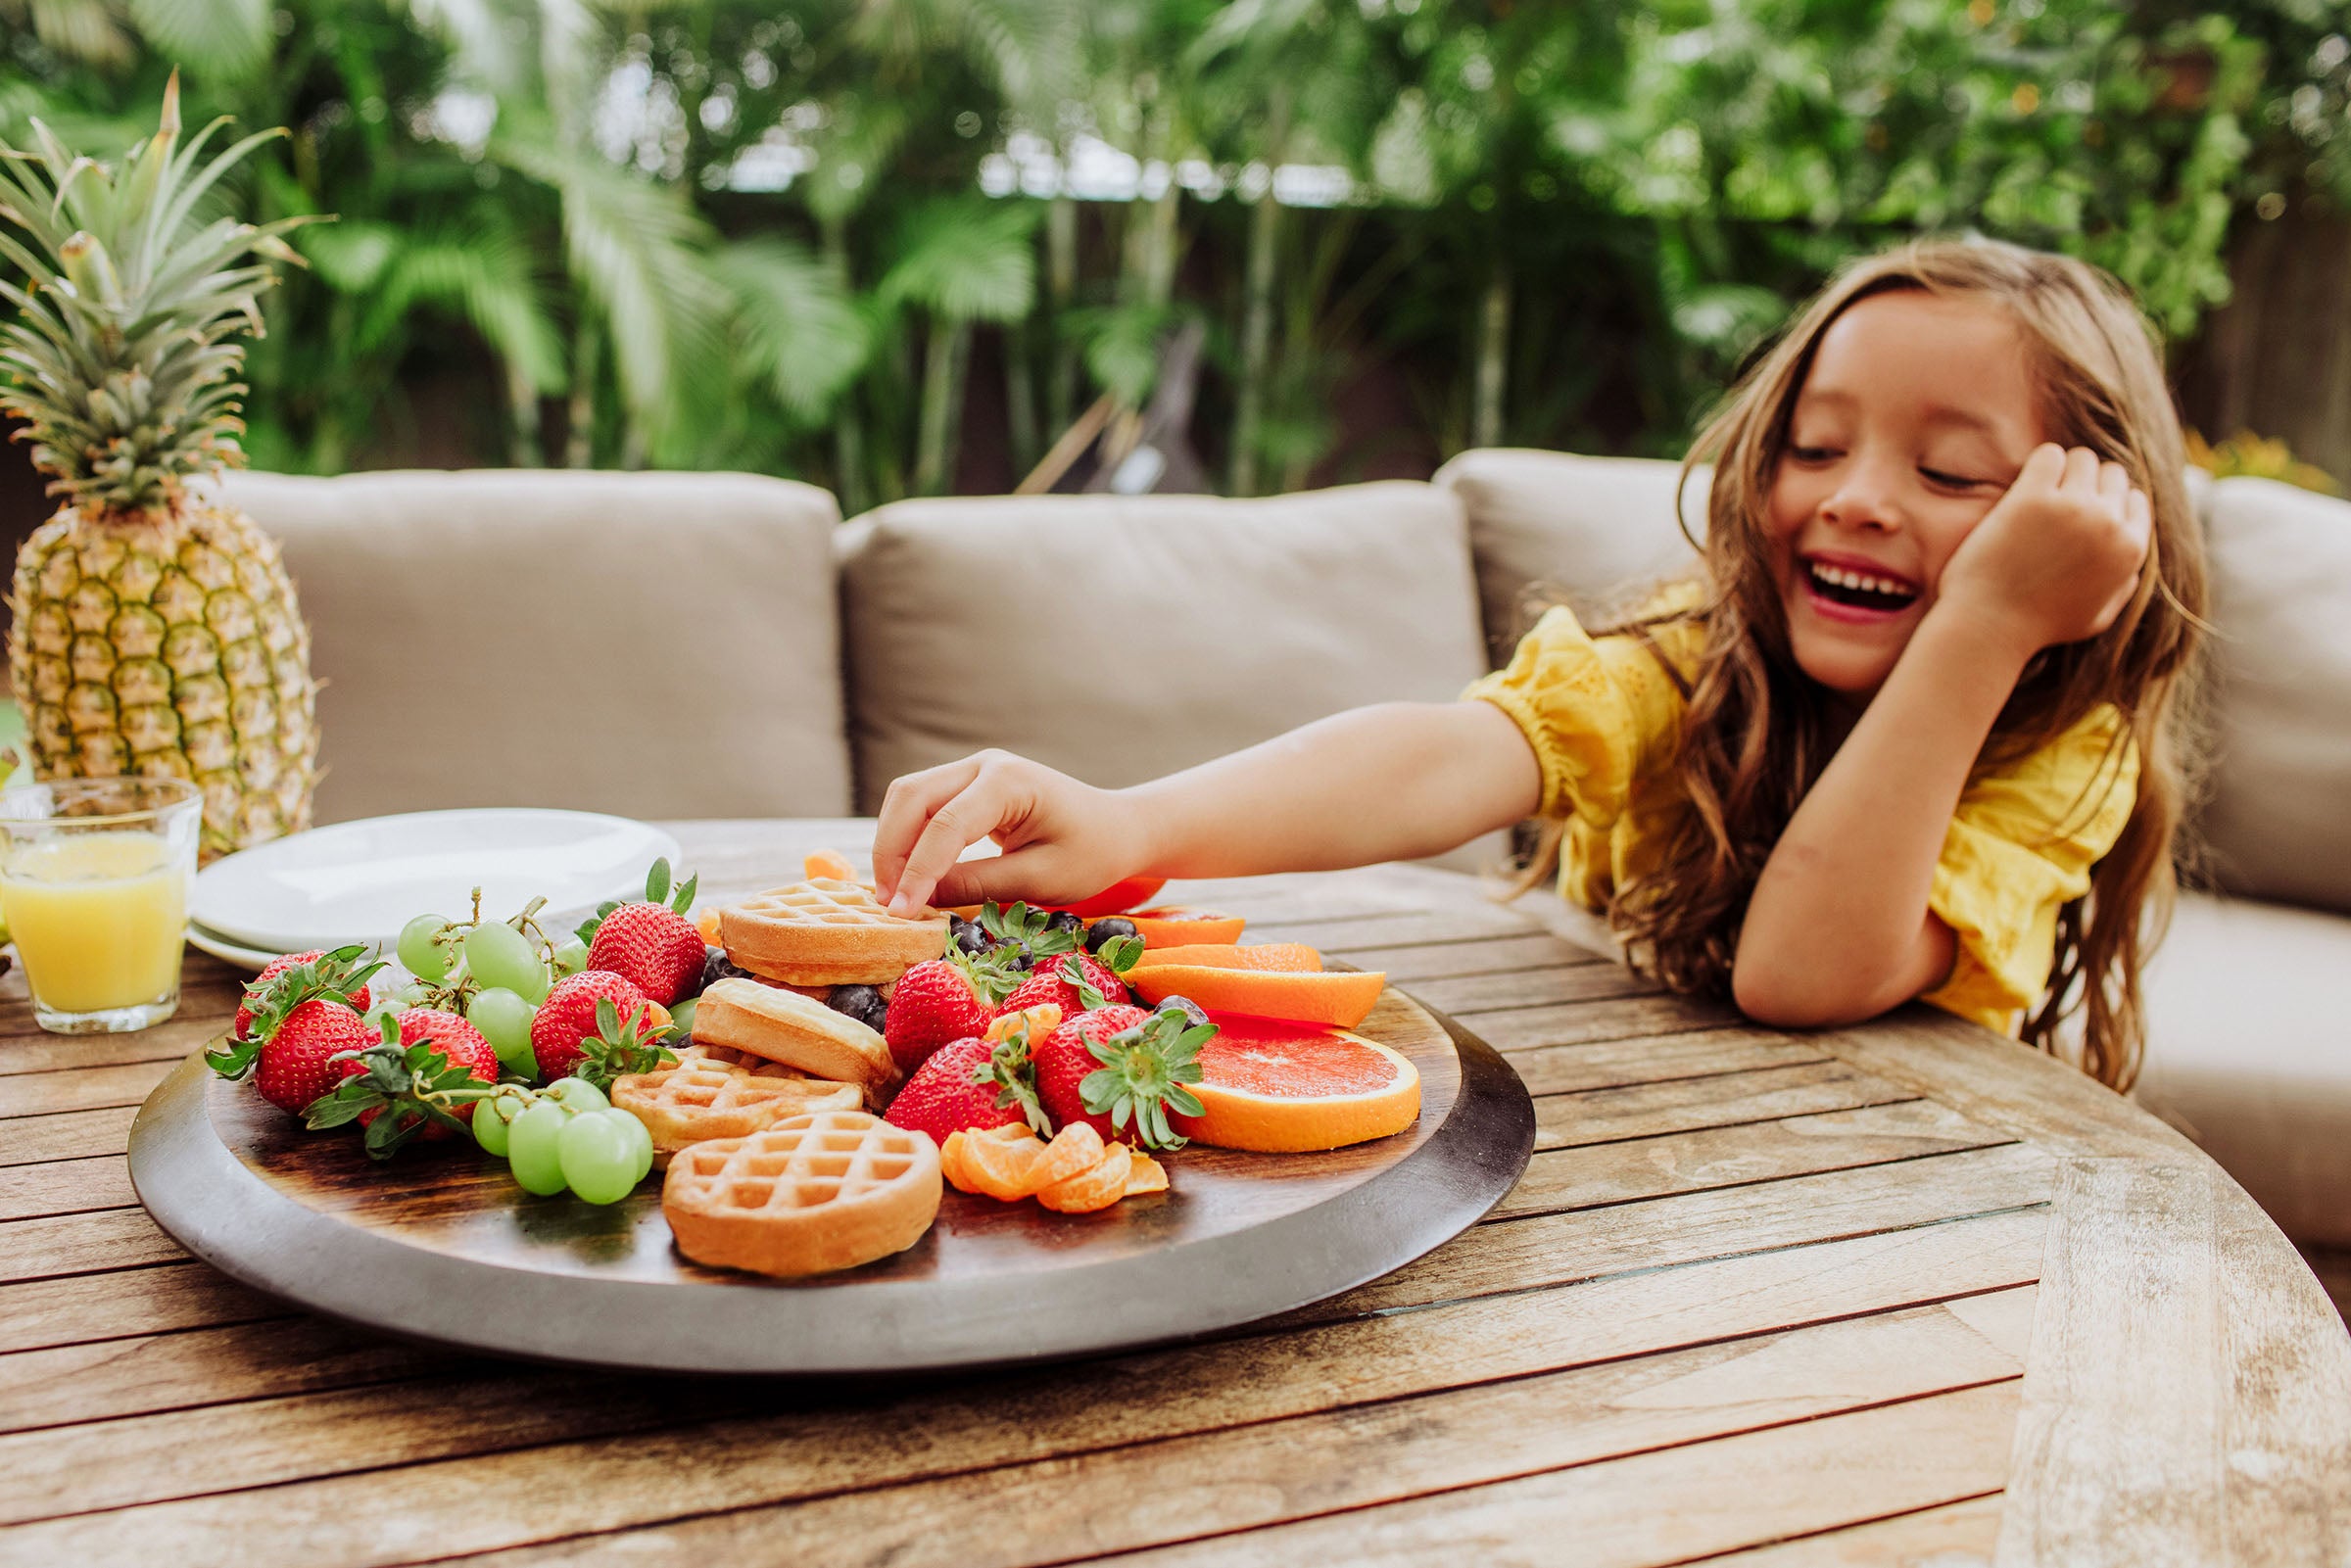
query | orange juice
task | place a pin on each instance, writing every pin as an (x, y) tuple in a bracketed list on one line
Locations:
[(98, 918)]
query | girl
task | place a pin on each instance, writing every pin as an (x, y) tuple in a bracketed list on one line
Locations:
[(1913, 732)]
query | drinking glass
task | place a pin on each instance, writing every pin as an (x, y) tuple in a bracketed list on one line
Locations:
[(94, 881)]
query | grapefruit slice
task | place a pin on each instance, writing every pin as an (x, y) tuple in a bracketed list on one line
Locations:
[(1286, 958), (1271, 1086), (1173, 926), (1117, 898), (1341, 997)]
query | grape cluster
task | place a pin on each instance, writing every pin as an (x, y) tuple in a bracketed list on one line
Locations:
[(566, 1135)]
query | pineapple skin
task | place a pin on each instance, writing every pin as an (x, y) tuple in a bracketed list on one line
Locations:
[(169, 645)]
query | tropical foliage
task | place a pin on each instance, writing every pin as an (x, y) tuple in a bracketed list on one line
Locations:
[(805, 236)]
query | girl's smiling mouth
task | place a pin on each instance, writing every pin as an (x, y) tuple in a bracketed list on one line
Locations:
[(1848, 588)]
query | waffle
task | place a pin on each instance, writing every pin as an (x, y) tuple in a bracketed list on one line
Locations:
[(795, 1030), (807, 1196), (825, 931), (713, 1092)]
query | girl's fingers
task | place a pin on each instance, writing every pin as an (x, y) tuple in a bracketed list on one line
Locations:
[(1000, 878), (2080, 474), (906, 810), (2113, 486), (2138, 519), (970, 816)]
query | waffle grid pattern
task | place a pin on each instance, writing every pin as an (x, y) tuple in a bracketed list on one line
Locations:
[(804, 1162)]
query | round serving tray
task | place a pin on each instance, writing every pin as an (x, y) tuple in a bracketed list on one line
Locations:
[(439, 1243)]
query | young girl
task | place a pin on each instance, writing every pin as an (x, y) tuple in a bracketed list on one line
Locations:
[(1912, 733)]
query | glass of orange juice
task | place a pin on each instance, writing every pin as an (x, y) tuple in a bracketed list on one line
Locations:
[(94, 883)]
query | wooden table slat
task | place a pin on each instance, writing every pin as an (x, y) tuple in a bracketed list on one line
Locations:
[(60, 1244), (1723, 1099), (30, 1094), (65, 1135), (64, 1187), (1619, 1063), (1954, 1534)]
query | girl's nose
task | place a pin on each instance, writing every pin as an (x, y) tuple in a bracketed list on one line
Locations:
[(1863, 498)]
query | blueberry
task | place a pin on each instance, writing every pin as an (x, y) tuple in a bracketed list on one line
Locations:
[(1020, 961), (716, 966), (1102, 931), (854, 1000), (1191, 1008), (970, 940), (1064, 920), (877, 1013)]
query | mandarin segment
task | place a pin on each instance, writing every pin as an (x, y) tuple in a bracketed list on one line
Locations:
[(829, 862), (1104, 1184), (1000, 1168), (1075, 1150), (1144, 1174)]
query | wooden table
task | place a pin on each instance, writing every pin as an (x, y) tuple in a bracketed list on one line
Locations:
[(1861, 1295)]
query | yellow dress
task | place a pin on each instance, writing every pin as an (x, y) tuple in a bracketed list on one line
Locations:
[(1604, 718)]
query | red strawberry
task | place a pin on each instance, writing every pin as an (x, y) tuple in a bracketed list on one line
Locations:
[(966, 1085), (332, 971), (567, 1017), (1138, 1063), (935, 1004), (293, 1067), (653, 944), (457, 1040), (1093, 986)]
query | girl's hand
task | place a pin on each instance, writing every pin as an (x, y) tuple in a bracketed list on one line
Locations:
[(2058, 556), (1062, 840)]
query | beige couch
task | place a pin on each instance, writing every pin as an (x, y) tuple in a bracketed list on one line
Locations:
[(717, 645)]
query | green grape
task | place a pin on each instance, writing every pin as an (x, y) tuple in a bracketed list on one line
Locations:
[(578, 1094), (505, 1020), (681, 1015), (640, 1141), (502, 956), (491, 1129), (532, 1143), (571, 957), (597, 1156), (418, 953)]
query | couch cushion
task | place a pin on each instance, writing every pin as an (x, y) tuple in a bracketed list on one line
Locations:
[(2249, 1052), (654, 644), (1555, 526), (2278, 820), (1121, 638)]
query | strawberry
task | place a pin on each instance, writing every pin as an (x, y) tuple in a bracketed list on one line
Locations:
[(457, 1040), (969, 1084), (937, 1001), (653, 944), (1120, 1067), (567, 1022), (427, 1069), (1072, 981), (338, 974), (295, 1064)]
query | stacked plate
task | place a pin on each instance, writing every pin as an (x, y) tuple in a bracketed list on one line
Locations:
[(361, 881)]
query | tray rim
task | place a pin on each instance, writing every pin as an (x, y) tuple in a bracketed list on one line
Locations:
[(208, 1199)]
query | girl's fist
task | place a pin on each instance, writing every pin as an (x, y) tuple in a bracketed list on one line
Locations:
[(2058, 556)]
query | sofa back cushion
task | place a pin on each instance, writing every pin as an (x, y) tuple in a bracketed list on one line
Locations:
[(1121, 638), (1550, 525), (2278, 823), (654, 645)]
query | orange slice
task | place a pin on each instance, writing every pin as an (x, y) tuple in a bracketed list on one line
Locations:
[(1286, 958), (1117, 898), (1276, 1087), (1172, 927), (1341, 997), (827, 863), (1098, 1186)]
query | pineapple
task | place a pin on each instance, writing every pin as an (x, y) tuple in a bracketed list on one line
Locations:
[(156, 631)]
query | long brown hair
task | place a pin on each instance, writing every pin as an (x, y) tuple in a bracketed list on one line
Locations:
[(1756, 732)]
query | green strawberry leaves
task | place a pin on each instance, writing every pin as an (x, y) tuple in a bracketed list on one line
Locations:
[(1012, 1068), (410, 1086), (614, 1052), (1143, 1077), (234, 1058), (339, 975), (657, 891), (1121, 954), (1019, 923)]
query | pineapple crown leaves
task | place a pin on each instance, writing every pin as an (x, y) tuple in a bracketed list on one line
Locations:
[(337, 975), (1012, 1067), (615, 1052), (411, 1086), (123, 357), (1143, 1075), (657, 891)]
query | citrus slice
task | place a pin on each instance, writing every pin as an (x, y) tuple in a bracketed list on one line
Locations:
[(1170, 925), (1117, 898), (1273, 1087), (1341, 997), (1144, 1174), (998, 1167), (1098, 1186), (1285, 958), (827, 863)]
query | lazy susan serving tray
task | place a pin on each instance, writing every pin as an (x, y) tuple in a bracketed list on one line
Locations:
[(440, 1244)]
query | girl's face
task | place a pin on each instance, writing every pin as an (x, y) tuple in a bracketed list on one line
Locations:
[(1915, 419)]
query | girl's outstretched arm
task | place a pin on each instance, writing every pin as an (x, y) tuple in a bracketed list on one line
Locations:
[(1387, 783), (1837, 929)]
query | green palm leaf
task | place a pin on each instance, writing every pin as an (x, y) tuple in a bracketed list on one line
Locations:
[(226, 39), (965, 258), (799, 331), (484, 275)]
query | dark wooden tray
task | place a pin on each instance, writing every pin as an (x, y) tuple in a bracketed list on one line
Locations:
[(441, 1245)]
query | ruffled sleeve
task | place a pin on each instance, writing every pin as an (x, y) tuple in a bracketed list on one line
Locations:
[(1596, 711), (2020, 845)]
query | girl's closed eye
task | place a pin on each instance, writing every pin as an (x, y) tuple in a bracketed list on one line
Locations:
[(1953, 481)]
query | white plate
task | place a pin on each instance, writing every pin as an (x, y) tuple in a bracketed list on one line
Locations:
[(250, 959), (361, 881)]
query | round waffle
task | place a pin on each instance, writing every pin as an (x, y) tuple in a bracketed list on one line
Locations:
[(807, 1196), (713, 1092), (825, 931)]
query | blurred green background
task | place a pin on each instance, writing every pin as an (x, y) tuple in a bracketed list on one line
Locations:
[(896, 246)]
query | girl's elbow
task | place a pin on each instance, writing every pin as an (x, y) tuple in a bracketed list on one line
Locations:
[(1771, 995)]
